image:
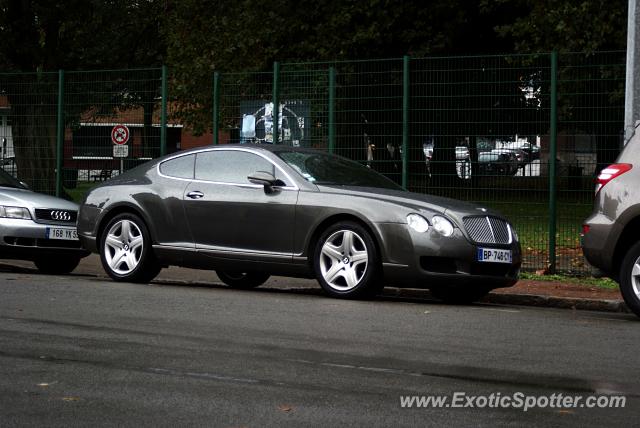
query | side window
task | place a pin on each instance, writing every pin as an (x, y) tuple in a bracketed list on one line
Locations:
[(181, 167), (231, 166)]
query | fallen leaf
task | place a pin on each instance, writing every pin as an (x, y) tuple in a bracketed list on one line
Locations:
[(285, 408)]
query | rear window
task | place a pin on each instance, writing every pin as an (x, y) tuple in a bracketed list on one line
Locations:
[(181, 167)]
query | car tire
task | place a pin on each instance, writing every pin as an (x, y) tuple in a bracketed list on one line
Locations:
[(346, 261), (243, 280), (460, 295), (57, 265), (126, 252), (630, 278)]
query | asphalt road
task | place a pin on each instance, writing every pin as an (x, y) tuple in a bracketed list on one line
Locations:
[(85, 351)]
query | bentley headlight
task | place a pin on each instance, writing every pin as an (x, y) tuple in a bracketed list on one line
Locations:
[(15, 212), (443, 226), (418, 223)]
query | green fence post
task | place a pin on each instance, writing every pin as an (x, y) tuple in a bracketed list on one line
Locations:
[(60, 133), (332, 109), (163, 114), (405, 120), (216, 107), (553, 140), (276, 100)]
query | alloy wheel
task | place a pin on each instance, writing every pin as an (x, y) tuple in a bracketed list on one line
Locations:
[(635, 278), (123, 247), (343, 260)]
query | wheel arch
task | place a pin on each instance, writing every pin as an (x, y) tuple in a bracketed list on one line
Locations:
[(628, 237), (117, 210), (336, 218)]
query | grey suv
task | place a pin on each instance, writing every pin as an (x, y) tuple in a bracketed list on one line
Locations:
[(611, 235)]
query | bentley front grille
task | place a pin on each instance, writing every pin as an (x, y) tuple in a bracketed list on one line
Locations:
[(488, 230)]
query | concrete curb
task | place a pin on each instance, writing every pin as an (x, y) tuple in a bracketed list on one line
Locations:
[(558, 302), (527, 300), (493, 298)]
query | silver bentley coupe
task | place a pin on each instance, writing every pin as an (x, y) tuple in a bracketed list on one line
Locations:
[(251, 211)]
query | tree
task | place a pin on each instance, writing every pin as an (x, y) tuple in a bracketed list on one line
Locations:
[(244, 36), (562, 25), (577, 29), (42, 36)]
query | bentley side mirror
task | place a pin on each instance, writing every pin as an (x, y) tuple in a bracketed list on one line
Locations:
[(265, 179)]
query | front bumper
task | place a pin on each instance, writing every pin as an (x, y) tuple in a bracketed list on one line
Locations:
[(425, 260), (27, 240)]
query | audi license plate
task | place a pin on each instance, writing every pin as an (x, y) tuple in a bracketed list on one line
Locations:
[(494, 255), (62, 233)]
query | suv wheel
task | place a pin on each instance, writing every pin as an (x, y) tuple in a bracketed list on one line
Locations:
[(630, 278)]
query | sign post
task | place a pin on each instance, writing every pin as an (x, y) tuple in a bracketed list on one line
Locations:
[(120, 137)]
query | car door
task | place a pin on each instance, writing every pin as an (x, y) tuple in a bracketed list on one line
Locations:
[(232, 217)]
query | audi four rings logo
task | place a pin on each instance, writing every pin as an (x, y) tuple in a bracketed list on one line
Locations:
[(60, 215)]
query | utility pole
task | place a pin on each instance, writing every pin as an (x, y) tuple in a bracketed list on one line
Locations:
[(632, 87)]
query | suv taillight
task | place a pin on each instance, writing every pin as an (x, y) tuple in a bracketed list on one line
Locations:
[(611, 172)]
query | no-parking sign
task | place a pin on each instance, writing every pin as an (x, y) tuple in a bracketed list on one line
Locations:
[(119, 137), (120, 134)]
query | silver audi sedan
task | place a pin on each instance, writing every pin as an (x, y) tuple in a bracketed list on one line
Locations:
[(38, 227)]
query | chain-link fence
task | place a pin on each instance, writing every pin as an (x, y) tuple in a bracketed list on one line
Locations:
[(525, 134)]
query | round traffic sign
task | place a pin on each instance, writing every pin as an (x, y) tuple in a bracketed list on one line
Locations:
[(120, 134)]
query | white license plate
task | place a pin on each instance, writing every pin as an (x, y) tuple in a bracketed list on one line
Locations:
[(494, 255), (62, 233)]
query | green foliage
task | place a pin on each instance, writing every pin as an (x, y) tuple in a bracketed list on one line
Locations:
[(80, 34), (562, 25), (586, 281)]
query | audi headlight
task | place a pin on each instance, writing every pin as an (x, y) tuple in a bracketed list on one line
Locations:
[(15, 212), (443, 226), (417, 223)]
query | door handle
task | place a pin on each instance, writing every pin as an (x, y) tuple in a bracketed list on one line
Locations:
[(195, 195)]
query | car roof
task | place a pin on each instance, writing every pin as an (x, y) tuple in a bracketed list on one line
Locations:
[(273, 148)]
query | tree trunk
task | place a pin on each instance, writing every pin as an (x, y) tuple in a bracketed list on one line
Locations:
[(33, 121)]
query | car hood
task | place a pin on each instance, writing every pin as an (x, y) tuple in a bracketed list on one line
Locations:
[(27, 198), (450, 207)]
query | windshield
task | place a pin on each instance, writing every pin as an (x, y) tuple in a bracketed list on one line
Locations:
[(325, 169), (7, 180)]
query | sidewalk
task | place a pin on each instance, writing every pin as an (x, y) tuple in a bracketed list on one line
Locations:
[(526, 292)]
